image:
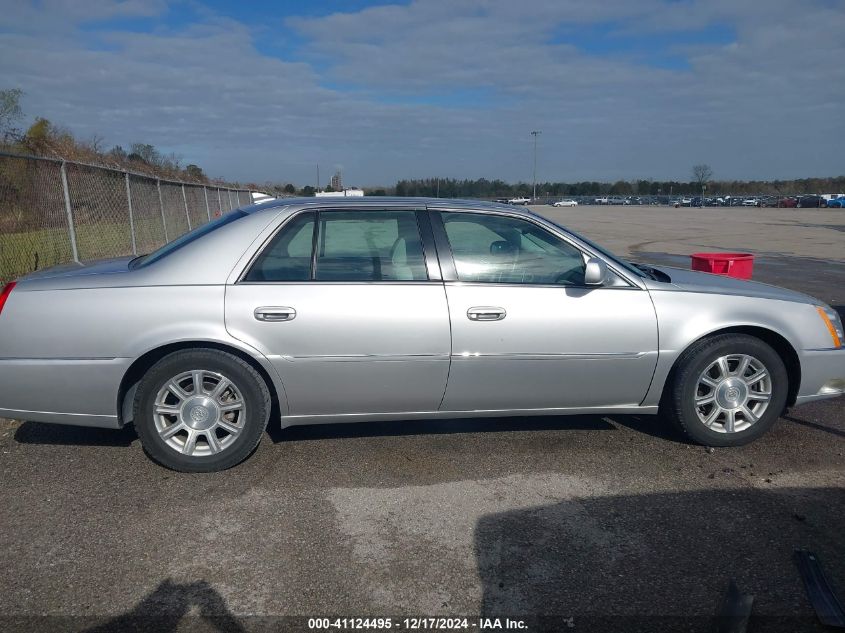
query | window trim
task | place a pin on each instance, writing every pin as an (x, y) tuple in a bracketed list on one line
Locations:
[(430, 256), (450, 272)]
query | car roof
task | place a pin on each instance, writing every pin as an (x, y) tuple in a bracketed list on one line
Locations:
[(369, 202)]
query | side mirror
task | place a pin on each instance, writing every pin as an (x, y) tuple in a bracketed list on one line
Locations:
[(595, 272)]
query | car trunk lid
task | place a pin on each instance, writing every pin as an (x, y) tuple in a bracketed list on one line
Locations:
[(100, 267)]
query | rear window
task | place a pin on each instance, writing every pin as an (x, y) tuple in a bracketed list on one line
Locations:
[(187, 238)]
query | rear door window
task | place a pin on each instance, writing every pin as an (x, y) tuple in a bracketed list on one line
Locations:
[(369, 246), (364, 246)]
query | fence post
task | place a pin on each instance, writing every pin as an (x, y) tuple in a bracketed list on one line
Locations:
[(71, 229), (230, 200), (187, 215), (161, 206), (219, 202), (207, 208), (131, 218)]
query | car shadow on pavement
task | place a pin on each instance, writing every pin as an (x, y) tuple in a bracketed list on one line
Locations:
[(655, 562), (59, 434), (168, 605), (637, 423), (814, 425), (43, 433)]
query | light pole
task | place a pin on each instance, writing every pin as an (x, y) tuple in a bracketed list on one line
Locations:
[(535, 134)]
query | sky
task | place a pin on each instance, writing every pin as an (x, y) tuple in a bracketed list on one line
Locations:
[(620, 89)]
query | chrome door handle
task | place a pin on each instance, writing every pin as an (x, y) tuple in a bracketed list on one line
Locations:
[(274, 314), (486, 314)]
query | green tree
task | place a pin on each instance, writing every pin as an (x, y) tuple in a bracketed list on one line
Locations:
[(40, 131), (621, 188), (290, 189), (145, 153), (195, 172)]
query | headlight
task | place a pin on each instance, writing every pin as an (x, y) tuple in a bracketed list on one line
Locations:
[(833, 322)]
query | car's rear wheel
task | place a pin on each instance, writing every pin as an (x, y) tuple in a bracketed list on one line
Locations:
[(727, 390), (201, 410)]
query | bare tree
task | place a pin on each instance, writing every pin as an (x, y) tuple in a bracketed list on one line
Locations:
[(702, 174), (10, 109)]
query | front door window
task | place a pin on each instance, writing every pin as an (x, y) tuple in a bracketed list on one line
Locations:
[(500, 249)]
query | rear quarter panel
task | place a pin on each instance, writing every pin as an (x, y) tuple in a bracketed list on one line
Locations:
[(75, 336)]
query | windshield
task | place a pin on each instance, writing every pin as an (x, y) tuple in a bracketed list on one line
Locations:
[(187, 238)]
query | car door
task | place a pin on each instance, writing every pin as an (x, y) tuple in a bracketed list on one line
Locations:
[(349, 307), (526, 332)]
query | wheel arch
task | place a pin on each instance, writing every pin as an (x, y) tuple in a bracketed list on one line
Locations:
[(776, 341), (132, 376)]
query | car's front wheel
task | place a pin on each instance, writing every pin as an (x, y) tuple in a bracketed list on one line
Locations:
[(201, 410), (727, 390)]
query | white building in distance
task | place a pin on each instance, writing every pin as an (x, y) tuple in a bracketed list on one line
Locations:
[(346, 193)]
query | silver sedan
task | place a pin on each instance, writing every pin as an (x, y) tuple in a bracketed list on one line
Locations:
[(310, 311)]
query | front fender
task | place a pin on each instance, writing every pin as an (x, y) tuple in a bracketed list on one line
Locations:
[(686, 317)]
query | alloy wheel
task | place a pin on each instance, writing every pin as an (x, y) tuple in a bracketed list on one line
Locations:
[(199, 413), (733, 393)]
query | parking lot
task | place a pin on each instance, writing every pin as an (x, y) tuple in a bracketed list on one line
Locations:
[(607, 523)]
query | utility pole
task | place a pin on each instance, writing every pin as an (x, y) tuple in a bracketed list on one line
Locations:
[(535, 134), (318, 176)]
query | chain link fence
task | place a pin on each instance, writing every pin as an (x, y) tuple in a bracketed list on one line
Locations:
[(56, 212)]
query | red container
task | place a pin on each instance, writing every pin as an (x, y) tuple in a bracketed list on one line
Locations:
[(739, 265)]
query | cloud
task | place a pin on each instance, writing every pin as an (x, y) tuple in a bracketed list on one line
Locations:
[(449, 88)]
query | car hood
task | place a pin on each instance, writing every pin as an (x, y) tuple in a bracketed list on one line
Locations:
[(693, 281), (100, 267)]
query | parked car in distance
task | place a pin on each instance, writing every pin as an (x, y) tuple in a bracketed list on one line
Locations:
[(618, 200), (836, 203), (311, 310), (811, 202), (751, 202), (827, 197), (602, 200), (519, 201), (565, 203), (788, 203)]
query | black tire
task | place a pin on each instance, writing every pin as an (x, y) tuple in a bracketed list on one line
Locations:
[(678, 403), (247, 380)]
